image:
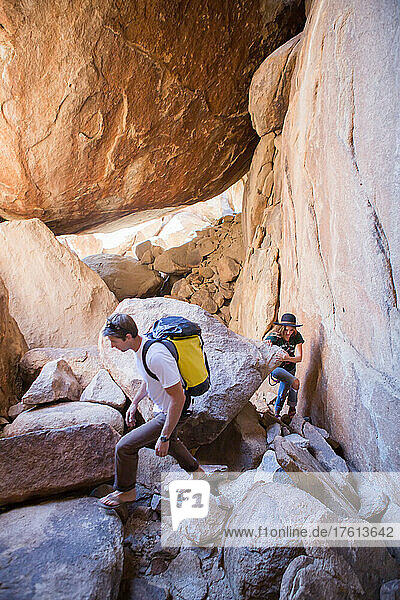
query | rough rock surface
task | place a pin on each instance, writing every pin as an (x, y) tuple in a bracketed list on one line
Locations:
[(211, 283), (55, 298), (125, 276), (151, 467), (12, 347), (127, 98), (361, 560), (332, 488), (55, 382), (237, 366), (342, 215), (184, 578), (62, 549), (307, 577), (84, 363), (255, 572), (103, 390), (65, 414), (55, 460)]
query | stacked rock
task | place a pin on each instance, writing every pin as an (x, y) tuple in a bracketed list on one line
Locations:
[(202, 271)]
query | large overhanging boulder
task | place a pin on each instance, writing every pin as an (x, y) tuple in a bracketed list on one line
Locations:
[(128, 106), (237, 365)]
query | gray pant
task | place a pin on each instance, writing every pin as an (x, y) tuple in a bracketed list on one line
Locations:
[(126, 452)]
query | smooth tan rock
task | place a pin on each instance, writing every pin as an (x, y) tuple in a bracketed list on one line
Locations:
[(142, 248), (256, 297), (165, 264), (147, 258), (43, 463), (340, 259), (54, 297), (55, 382), (254, 201), (206, 246), (207, 272), (12, 347), (65, 414), (270, 87), (83, 245), (103, 390), (219, 299), (225, 311), (136, 106), (125, 276)]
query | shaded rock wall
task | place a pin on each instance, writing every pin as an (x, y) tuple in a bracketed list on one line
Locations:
[(128, 106), (12, 348)]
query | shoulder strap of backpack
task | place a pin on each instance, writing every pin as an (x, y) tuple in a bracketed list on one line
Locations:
[(167, 343)]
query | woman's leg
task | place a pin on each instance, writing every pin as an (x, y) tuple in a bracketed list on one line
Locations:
[(289, 384), (281, 397)]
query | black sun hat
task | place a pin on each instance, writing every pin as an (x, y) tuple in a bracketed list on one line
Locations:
[(288, 319)]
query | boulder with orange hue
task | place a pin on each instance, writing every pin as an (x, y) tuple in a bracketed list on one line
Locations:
[(128, 106)]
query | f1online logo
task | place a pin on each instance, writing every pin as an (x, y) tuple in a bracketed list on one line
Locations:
[(188, 500)]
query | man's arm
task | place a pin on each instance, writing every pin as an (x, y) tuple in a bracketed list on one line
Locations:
[(174, 412), (130, 413)]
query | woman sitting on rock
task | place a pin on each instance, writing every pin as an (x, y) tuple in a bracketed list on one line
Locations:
[(286, 336)]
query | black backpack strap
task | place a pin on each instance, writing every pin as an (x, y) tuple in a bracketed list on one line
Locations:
[(167, 343)]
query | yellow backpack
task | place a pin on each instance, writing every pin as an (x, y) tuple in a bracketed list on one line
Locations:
[(183, 339)]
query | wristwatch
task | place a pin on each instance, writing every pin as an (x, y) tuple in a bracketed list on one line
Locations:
[(164, 438)]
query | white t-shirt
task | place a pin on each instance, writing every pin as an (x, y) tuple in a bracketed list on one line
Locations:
[(160, 362)]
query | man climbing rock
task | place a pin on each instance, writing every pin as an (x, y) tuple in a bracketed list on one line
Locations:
[(168, 397)]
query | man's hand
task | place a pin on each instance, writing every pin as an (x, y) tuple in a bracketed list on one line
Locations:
[(161, 448), (130, 417)]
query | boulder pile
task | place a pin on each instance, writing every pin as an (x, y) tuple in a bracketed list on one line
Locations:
[(204, 270)]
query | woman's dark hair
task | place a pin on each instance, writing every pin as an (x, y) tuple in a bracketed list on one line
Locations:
[(118, 325)]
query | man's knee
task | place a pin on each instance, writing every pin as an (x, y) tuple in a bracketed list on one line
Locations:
[(126, 447), (296, 384)]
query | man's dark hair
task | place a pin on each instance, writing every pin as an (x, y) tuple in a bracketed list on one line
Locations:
[(118, 325)]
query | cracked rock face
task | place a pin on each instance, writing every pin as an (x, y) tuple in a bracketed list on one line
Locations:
[(341, 252), (111, 108)]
